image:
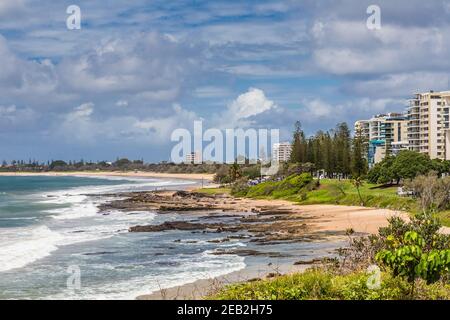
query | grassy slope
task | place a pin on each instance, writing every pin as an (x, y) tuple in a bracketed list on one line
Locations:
[(334, 192), (345, 193), (214, 190), (322, 285), (341, 192)]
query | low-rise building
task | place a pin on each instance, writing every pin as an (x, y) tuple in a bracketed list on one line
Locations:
[(282, 151), (194, 157)]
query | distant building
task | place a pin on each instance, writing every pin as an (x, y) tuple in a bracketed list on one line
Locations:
[(282, 151), (194, 157), (385, 134)]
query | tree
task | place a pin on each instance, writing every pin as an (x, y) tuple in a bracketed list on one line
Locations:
[(382, 171), (235, 172), (122, 163), (57, 163), (342, 149), (358, 183), (439, 166), (409, 164), (414, 249), (408, 257), (298, 153), (359, 151), (432, 191)]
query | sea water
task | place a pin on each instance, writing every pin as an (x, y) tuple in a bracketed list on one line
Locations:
[(50, 226)]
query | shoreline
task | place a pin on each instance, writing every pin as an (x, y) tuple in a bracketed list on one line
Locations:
[(198, 289), (270, 223), (207, 177)]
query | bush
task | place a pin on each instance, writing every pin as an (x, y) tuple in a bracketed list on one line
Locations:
[(433, 192), (414, 253), (319, 284), (290, 186), (240, 188)]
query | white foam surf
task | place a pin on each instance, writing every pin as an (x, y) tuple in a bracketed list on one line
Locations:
[(205, 266), (21, 246)]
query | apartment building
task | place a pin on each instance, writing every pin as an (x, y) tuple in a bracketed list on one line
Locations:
[(428, 128), (385, 134), (282, 151), (194, 157)]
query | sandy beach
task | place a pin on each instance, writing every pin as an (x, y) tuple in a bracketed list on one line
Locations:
[(136, 174), (269, 223), (330, 219)]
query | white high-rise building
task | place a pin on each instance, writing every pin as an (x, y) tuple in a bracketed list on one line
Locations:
[(428, 128), (282, 151)]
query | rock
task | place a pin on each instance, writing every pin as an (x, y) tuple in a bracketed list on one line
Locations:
[(249, 252), (219, 240), (313, 261), (183, 225), (273, 275)]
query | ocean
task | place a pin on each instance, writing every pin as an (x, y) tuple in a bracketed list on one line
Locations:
[(54, 244)]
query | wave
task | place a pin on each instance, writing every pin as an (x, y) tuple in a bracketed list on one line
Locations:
[(81, 205), (21, 246), (205, 266)]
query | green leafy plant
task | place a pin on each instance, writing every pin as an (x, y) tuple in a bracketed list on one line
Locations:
[(409, 258)]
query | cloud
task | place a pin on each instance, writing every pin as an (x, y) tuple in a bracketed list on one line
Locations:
[(14, 119), (122, 103), (348, 47), (400, 84), (83, 111), (211, 92), (11, 6), (113, 86), (145, 63), (244, 108), (80, 126)]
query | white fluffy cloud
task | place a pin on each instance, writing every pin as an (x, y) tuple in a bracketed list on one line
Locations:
[(242, 111)]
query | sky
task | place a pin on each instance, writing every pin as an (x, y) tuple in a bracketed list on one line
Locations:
[(137, 70)]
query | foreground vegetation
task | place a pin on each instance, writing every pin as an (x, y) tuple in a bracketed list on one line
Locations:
[(321, 284), (413, 256)]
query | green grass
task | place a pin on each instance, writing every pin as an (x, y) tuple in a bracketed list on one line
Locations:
[(345, 193), (213, 190), (318, 284), (305, 191)]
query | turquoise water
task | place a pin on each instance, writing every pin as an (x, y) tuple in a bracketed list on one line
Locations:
[(54, 244), (51, 230)]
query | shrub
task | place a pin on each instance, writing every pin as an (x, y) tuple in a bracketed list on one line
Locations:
[(290, 186), (240, 188), (433, 192), (320, 284)]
